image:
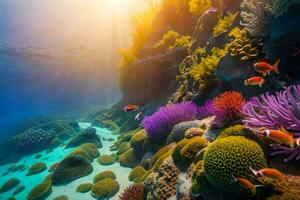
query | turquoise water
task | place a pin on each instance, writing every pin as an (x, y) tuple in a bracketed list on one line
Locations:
[(55, 156)]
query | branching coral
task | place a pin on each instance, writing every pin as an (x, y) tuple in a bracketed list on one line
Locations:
[(291, 153), (224, 24), (228, 107), (133, 192), (203, 73), (160, 124), (172, 39), (274, 111)]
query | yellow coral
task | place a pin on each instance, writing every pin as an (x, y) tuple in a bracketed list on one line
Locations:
[(199, 6), (224, 24)]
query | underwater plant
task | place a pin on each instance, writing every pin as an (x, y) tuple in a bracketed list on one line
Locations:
[(206, 110), (224, 24), (273, 111), (228, 107), (160, 124), (291, 153)]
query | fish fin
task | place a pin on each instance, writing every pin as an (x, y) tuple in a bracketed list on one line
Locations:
[(255, 172), (275, 66), (234, 178), (297, 141), (253, 190)]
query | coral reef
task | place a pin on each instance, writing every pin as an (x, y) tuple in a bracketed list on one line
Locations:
[(36, 168), (103, 175), (105, 189), (136, 174), (224, 24), (62, 197), (19, 189), (133, 192), (160, 124), (128, 159), (228, 108), (9, 185), (106, 160), (86, 136), (84, 187), (71, 168), (41, 191), (274, 111), (193, 132), (178, 131), (232, 156), (162, 185)]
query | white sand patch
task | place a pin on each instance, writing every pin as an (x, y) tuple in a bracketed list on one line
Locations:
[(70, 189)]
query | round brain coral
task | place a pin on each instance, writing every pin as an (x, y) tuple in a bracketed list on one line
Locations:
[(84, 187), (105, 189), (136, 174), (36, 168), (104, 175), (233, 156), (71, 168), (190, 150), (41, 191), (227, 107), (106, 160), (9, 185)]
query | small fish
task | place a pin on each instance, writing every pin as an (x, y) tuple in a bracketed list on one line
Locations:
[(269, 172), (265, 68), (246, 184), (138, 116), (130, 107), (256, 80), (281, 136)]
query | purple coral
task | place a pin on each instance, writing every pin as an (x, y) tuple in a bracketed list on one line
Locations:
[(274, 111), (291, 153), (160, 124), (206, 110)]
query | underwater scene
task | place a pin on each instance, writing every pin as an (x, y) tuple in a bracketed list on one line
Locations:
[(150, 100)]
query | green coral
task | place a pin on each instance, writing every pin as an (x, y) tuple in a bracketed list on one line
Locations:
[(62, 197), (123, 147), (106, 160), (179, 160), (128, 159), (84, 187), (136, 174), (9, 185), (103, 175), (41, 191), (36, 168), (243, 46), (232, 156), (105, 189), (190, 150), (224, 24), (160, 153), (87, 150)]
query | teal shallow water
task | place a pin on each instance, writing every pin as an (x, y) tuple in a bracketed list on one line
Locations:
[(70, 189)]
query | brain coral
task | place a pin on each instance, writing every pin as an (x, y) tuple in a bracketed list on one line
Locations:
[(36, 168), (9, 185), (86, 136), (84, 187), (193, 147), (105, 189), (41, 191), (136, 173), (71, 168), (232, 156), (104, 175), (106, 160)]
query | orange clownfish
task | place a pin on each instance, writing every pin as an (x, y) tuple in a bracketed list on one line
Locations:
[(269, 172), (130, 107), (256, 80), (247, 184), (265, 68), (281, 136), (138, 116)]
